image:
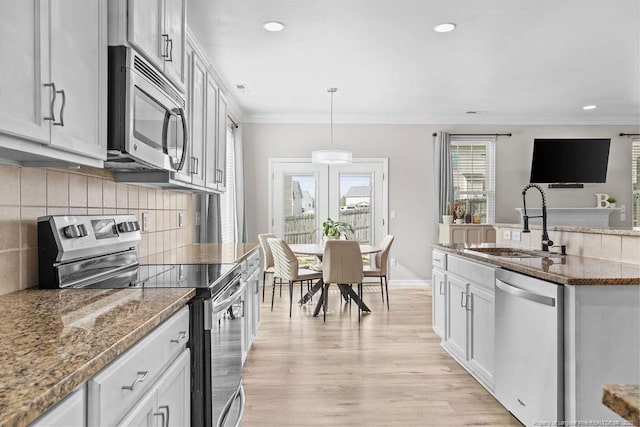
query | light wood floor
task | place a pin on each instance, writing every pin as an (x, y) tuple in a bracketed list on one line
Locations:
[(389, 370)]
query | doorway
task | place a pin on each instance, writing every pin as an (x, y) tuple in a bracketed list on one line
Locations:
[(302, 195)]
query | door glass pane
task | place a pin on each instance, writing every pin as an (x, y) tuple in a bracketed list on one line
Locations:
[(299, 208), (356, 205)]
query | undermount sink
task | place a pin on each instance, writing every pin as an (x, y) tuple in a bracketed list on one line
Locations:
[(512, 252)]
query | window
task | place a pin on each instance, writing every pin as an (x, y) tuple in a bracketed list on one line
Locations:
[(473, 163), (228, 212), (635, 184)]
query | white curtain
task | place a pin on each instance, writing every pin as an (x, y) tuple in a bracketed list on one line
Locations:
[(232, 202), (241, 215), (443, 171)]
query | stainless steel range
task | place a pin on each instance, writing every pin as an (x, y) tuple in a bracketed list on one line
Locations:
[(86, 251)]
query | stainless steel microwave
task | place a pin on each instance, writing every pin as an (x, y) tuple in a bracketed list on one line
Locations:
[(147, 123)]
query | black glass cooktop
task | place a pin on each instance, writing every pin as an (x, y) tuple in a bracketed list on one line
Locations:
[(208, 276)]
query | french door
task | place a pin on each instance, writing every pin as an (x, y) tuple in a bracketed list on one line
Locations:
[(302, 195)]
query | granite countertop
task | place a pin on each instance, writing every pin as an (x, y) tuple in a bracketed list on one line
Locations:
[(203, 253), (565, 270), (624, 400), (576, 229), (54, 340)]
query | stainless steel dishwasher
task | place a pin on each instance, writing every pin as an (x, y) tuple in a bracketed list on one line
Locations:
[(529, 347)]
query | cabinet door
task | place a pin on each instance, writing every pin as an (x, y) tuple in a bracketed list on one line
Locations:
[(146, 21), (174, 392), (144, 413), (456, 330), (438, 302), (481, 333), (24, 61), (78, 68), (221, 156), (473, 234), (68, 413), (197, 98), (211, 133), (458, 235), (175, 27), (184, 174)]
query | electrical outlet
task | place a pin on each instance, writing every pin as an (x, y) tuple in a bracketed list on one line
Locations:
[(392, 214), (145, 221), (180, 219), (623, 209), (515, 235), (506, 234), (198, 218), (393, 262)]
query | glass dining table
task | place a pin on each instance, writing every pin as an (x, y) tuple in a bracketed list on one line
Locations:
[(317, 250)]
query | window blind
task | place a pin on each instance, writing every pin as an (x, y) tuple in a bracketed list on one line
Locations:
[(228, 199), (635, 184), (473, 164)]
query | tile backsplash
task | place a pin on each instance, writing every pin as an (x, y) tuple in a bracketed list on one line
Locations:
[(28, 193)]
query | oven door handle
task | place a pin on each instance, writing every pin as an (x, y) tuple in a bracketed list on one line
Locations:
[(217, 306)]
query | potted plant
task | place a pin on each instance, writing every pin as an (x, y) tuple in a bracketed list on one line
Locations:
[(459, 213), (335, 229), (447, 218), (612, 202)]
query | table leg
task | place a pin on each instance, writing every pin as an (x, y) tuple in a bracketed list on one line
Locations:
[(311, 292), (346, 289)]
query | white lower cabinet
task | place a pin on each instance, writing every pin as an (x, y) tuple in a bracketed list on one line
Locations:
[(470, 317), (70, 412), (251, 301), (168, 403), (148, 383), (439, 292)]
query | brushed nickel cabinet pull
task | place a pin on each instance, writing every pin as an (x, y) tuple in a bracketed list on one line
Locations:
[(166, 46), (52, 115), (142, 375), (64, 103), (181, 335)]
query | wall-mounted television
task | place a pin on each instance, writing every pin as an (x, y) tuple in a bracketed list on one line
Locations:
[(562, 160)]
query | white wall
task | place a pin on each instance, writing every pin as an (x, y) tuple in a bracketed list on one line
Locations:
[(411, 180)]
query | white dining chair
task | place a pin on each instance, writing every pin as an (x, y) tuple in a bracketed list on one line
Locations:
[(379, 268), (341, 265), (267, 264), (286, 268)]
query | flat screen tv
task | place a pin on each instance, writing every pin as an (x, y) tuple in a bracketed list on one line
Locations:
[(570, 160)]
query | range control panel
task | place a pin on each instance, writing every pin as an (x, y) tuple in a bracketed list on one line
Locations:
[(82, 236)]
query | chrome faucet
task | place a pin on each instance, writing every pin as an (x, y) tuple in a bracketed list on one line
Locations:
[(546, 243)]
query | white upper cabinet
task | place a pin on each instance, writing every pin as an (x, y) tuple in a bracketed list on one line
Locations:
[(54, 89), (197, 96), (221, 152), (211, 133), (157, 28)]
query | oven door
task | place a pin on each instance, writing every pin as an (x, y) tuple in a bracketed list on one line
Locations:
[(227, 313), (157, 125)]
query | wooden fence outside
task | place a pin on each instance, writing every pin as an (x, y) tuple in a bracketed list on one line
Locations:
[(302, 229)]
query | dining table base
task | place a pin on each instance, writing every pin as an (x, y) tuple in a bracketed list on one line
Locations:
[(345, 290)]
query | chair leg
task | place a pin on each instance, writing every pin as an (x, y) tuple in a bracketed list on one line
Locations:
[(264, 283), (386, 285), (290, 297), (359, 296), (273, 290), (280, 288), (382, 290), (325, 292)]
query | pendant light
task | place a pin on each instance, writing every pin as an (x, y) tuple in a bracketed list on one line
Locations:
[(331, 156)]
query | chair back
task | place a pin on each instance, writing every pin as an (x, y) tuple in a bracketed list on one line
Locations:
[(285, 263), (342, 262), (266, 249), (382, 257)]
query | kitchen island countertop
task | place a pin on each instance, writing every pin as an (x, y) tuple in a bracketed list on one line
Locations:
[(564, 270), (624, 400), (54, 340), (202, 253)]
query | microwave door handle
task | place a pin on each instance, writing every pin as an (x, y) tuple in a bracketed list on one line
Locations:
[(185, 138)]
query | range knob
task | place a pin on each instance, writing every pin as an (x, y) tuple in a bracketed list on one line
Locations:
[(71, 231), (82, 230), (135, 226), (124, 227)]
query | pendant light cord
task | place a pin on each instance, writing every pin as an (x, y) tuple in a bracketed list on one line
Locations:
[(332, 90)]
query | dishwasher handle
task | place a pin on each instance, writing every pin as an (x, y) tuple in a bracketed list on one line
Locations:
[(528, 295)]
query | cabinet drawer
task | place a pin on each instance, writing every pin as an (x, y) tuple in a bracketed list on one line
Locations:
[(474, 272), (253, 262), (439, 260), (114, 390)]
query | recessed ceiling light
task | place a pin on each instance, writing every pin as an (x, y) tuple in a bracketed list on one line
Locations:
[(273, 26), (589, 107), (476, 112), (444, 28)]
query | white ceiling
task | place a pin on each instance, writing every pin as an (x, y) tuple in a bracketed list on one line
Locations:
[(523, 61)]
